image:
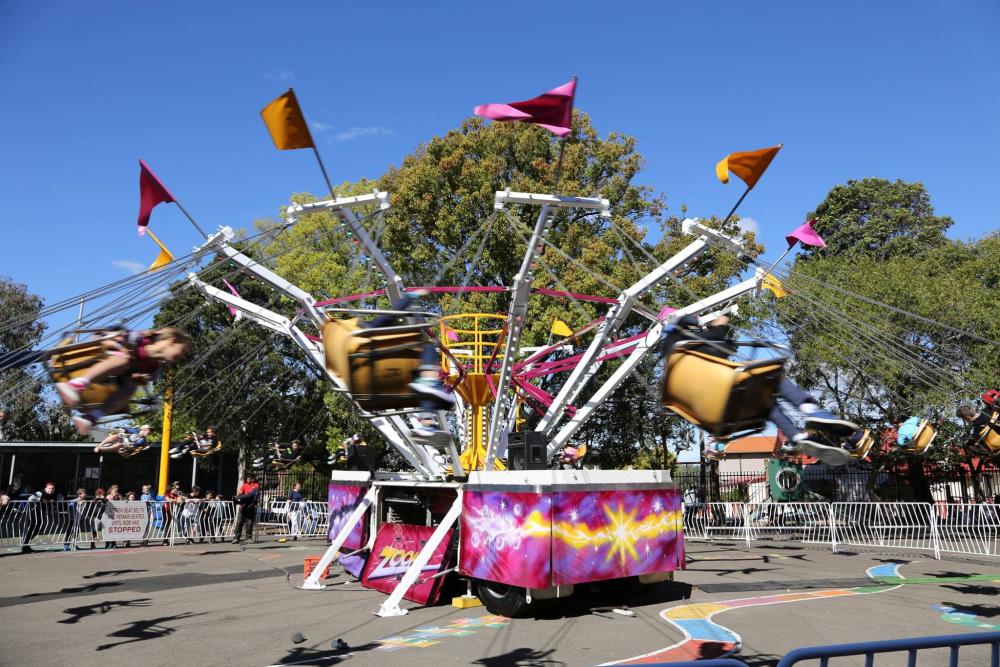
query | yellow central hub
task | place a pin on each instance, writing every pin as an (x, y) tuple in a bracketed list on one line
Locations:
[(474, 347)]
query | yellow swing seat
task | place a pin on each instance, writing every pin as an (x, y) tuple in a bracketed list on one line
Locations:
[(213, 450), (924, 437), (129, 453), (989, 437), (720, 396), (71, 359), (377, 365), (864, 445)]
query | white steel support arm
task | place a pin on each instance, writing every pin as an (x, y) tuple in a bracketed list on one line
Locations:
[(265, 275), (393, 429), (613, 321), (719, 301), (342, 208), (521, 289)]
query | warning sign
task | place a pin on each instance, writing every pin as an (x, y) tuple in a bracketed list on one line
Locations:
[(125, 520)]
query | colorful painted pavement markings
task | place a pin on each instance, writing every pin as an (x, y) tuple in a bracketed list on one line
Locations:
[(431, 635), (704, 638)]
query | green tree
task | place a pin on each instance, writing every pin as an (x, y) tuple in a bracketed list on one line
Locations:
[(33, 413), (932, 343)]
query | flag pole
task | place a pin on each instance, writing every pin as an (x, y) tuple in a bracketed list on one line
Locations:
[(778, 261), (189, 217), (322, 168), (736, 205)]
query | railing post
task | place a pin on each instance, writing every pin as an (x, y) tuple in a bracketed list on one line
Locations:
[(746, 522), (833, 528), (934, 532)]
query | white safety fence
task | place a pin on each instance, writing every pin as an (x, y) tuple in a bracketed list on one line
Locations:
[(93, 524), (302, 519), (953, 528)]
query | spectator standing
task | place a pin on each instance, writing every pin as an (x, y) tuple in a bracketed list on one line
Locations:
[(172, 506), (76, 518), (296, 503), (5, 431), (189, 515), (40, 512), (208, 520), (147, 496), (246, 501)]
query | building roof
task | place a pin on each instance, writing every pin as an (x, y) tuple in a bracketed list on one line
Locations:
[(751, 444)]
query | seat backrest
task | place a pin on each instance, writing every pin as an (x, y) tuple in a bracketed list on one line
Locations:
[(376, 367), (864, 445), (721, 396), (73, 361), (924, 437), (989, 437)]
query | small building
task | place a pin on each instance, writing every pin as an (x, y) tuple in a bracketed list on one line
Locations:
[(747, 456)]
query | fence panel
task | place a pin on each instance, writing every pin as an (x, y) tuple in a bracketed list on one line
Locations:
[(724, 521), (968, 529), (886, 525), (307, 518), (793, 521)]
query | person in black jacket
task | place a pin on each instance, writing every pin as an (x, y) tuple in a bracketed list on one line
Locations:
[(246, 501), (40, 513)]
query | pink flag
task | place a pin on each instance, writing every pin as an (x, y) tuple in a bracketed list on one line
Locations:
[(663, 313), (807, 235), (552, 110), (232, 311), (151, 193)]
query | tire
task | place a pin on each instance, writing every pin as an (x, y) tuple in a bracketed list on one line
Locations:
[(502, 599)]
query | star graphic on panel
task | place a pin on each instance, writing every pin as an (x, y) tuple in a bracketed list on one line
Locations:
[(657, 505), (622, 530), (573, 515), (503, 505)]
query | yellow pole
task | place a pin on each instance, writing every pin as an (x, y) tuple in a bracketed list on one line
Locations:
[(168, 415)]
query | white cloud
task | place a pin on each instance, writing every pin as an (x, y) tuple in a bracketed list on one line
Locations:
[(129, 265), (749, 225), (362, 132), (322, 127), (279, 74)]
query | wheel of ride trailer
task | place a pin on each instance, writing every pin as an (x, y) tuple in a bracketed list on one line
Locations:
[(502, 599)]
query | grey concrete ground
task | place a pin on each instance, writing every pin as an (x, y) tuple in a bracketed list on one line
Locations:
[(216, 605)]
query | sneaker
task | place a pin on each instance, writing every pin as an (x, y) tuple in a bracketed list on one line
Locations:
[(69, 394), (83, 424), (428, 387), (827, 422), (432, 437), (177, 449), (828, 454)]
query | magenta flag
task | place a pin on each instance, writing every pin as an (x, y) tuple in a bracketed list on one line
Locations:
[(806, 235), (552, 110), (232, 311), (151, 193)]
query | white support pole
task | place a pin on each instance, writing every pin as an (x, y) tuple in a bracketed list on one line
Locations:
[(391, 606), (312, 582), (719, 301), (342, 208), (618, 313)]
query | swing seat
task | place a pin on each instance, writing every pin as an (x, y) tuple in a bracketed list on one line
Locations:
[(989, 437), (864, 445), (377, 365), (129, 453), (720, 396), (923, 439), (213, 450), (71, 359)]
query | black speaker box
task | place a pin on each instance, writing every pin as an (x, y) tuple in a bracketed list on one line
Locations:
[(526, 450)]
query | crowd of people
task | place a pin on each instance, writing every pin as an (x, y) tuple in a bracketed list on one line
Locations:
[(193, 515)]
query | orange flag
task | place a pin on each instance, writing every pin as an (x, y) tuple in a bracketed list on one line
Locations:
[(165, 256), (286, 123), (749, 166)]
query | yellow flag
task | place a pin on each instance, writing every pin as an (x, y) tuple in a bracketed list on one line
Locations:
[(286, 123), (749, 166), (560, 328), (774, 285), (163, 258)]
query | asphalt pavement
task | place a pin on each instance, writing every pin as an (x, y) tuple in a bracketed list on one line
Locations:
[(207, 604)]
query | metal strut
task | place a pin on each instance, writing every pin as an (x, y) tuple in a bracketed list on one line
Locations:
[(521, 289)]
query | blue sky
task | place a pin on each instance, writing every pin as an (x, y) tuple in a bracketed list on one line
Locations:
[(853, 89)]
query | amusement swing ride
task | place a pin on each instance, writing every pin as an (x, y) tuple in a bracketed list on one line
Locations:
[(485, 499), (522, 534)]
